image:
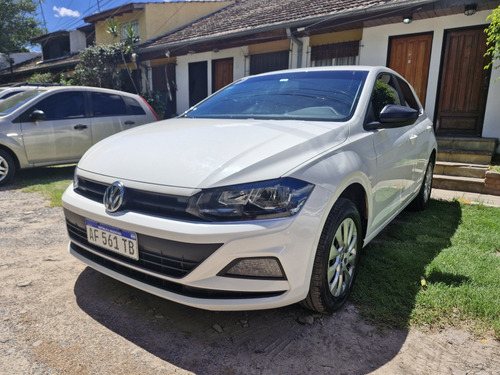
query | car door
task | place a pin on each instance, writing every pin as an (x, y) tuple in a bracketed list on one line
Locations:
[(420, 136), (59, 130), (110, 115), (395, 153)]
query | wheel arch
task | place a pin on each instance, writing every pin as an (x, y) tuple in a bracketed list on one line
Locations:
[(356, 193), (12, 154)]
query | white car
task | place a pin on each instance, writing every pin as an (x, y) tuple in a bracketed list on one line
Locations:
[(260, 196)]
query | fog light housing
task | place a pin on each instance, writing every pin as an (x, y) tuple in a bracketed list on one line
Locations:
[(254, 268)]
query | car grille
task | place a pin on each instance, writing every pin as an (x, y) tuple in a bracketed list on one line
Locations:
[(156, 255), (164, 205)]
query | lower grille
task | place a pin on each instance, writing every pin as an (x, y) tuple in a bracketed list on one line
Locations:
[(169, 285), (169, 258)]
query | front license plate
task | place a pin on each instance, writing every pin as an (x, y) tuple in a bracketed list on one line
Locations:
[(118, 240)]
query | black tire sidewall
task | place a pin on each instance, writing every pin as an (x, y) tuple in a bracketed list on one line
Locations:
[(12, 167), (343, 209)]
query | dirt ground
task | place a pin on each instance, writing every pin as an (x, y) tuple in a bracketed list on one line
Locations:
[(58, 316)]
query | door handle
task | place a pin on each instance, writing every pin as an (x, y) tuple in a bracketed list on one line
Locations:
[(80, 127), (413, 137), (129, 122)]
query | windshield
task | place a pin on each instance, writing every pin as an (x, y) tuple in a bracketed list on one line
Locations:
[(12, 103), (319, 95)]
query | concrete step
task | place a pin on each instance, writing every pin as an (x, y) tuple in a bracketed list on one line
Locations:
[(465, 143), (460, 169), (464, 156), (469, 184)]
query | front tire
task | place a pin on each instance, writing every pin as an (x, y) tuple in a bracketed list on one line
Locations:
[(336, 261), (7, 167)]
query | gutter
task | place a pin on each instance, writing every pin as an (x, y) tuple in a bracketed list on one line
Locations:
[(299, 44)]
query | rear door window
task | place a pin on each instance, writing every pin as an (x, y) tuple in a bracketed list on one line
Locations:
[(104, 104), (134, 106)]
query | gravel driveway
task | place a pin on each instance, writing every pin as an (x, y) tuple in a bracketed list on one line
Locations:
[(60, 317)]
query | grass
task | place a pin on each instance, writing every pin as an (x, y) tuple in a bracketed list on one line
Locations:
[(434, 269), (431, 269), (50, 182)]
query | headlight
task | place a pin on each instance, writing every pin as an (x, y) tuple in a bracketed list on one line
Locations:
[(260, 200)]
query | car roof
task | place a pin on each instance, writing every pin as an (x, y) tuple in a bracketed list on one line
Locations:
[(83, 88), (361, 68)]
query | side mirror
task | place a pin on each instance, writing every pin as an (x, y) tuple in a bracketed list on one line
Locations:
[(37, 115), (394, 116)]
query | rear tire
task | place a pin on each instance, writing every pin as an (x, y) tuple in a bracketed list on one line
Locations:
[(7, 167), (336, 261), (421, 201)]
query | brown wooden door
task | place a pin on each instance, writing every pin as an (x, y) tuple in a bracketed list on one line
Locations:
[(222, 73), (464, 83), (410, 56)]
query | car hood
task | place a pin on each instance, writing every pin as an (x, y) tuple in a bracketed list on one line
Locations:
[(203, 153)]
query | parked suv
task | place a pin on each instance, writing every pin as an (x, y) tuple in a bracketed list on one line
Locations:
[(260, 196), (57, 124)]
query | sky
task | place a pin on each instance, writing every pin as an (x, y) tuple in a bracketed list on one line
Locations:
[(69, 14)]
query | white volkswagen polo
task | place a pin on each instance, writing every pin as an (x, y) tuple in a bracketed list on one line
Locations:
[(260, 196)]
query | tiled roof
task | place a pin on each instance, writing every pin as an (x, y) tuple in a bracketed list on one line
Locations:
[(254, 15), (37, 64)]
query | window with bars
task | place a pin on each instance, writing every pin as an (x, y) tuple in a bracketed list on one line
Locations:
[(345, 53)]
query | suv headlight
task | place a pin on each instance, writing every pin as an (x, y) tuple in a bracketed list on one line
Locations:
[(261, 200)]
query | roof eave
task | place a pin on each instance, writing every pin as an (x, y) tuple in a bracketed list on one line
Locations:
[(356, 13)]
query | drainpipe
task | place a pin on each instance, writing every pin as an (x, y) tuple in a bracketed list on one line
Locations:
[(299, 44)]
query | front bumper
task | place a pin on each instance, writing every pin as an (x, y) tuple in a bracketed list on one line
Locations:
[(199, 251)]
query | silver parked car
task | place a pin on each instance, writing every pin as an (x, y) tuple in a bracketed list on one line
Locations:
[(57, 124), (7, 92)]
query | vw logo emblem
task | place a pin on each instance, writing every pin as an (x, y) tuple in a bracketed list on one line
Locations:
[(113, 197)]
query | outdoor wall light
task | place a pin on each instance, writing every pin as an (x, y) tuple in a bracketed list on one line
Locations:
[(470, 9), (407, 20)]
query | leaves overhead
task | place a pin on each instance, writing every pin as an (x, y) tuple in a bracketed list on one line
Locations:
[(493, 33), (17, 25)]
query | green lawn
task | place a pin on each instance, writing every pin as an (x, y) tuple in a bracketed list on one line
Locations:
[(430, 269), (433, 269), (50, 182)]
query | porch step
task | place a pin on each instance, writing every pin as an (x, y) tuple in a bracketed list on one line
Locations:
[(464, 156), (463, 143), (466, 150), (459, 183), (460, 169)]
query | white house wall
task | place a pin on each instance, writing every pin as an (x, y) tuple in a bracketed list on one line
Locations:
[(375, 46), (239, 56)]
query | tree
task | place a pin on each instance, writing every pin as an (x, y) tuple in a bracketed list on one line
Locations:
[(17, 25), (40, 78), (127, 46), (493, 41), (99, 66)]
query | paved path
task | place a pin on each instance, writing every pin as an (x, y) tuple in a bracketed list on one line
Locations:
[(473, 198)]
